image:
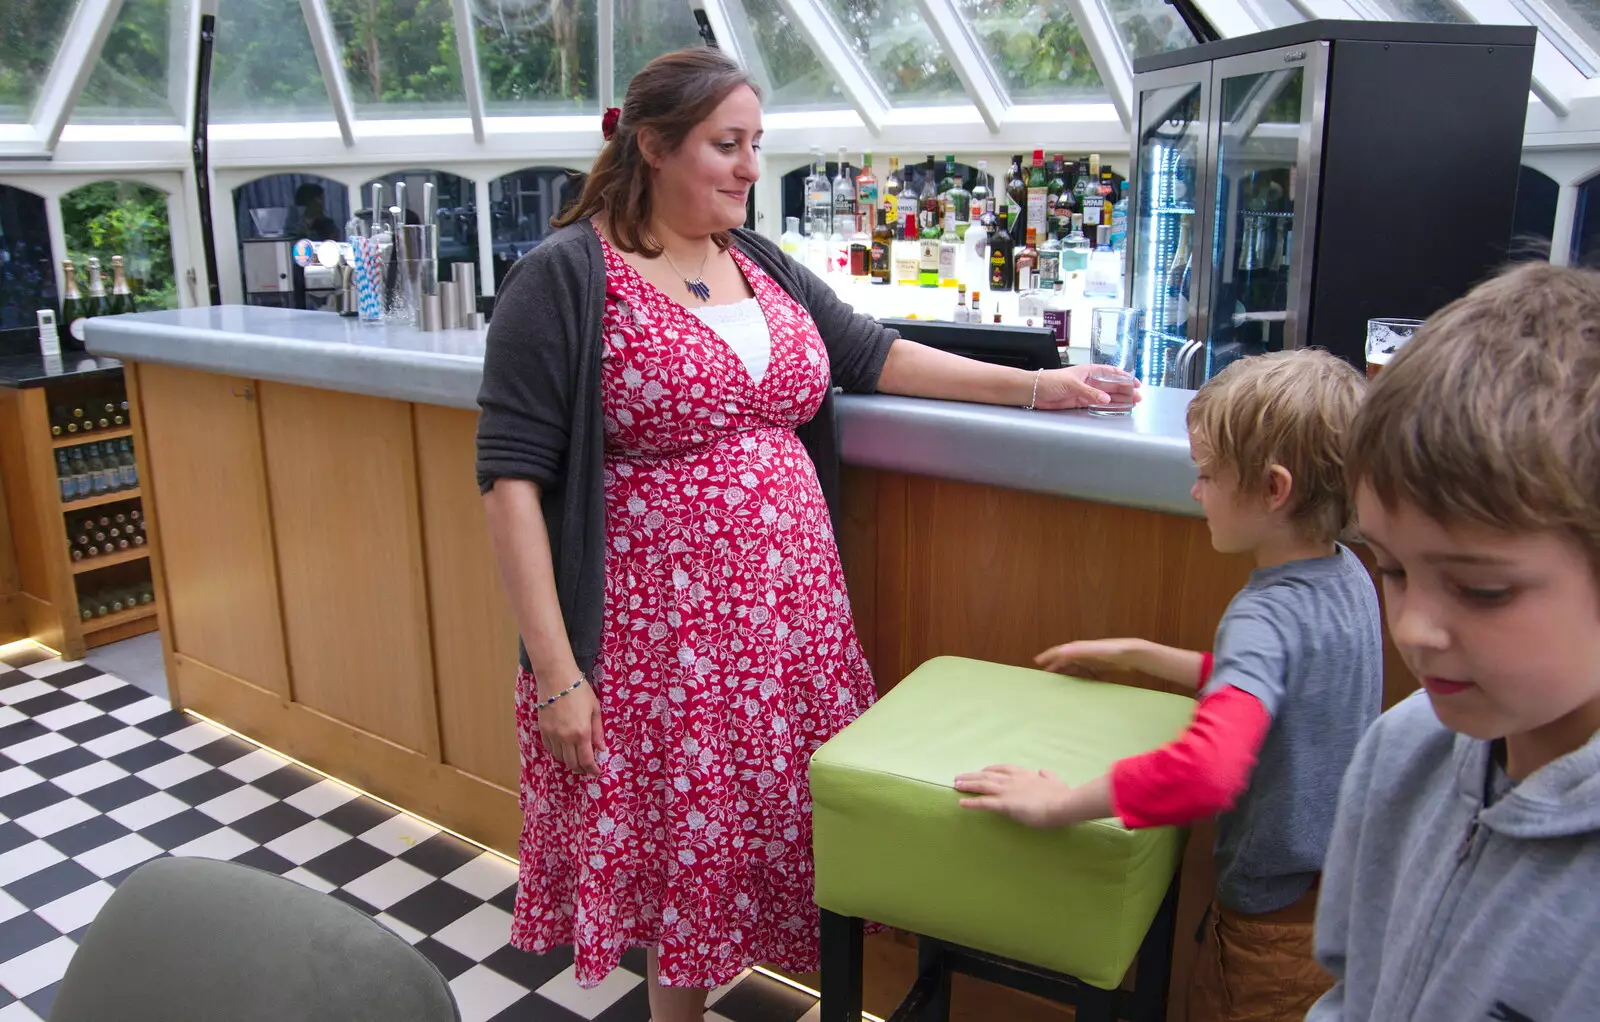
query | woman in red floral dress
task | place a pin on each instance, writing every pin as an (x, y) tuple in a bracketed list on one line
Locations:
[(665, 539)]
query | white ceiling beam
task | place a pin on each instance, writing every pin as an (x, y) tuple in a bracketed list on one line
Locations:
[(967, 57), (1109, 55), (183, 59), (828, 42), (74, 61), (1233, 17), (1555, 80), (471, 76), (730, 23), (326, 44), (1329, 10)]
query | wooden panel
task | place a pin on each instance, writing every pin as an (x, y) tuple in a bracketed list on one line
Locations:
[(12, 626), (158, 575), (33, 501), (481, 811), (474, 633), (343, 491), (206, 501)]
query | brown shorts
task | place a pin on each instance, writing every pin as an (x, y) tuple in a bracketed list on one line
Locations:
[(1257, 968)]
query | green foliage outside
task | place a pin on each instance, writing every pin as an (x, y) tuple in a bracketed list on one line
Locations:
[(131, 74), (110, 218), (30, 31)]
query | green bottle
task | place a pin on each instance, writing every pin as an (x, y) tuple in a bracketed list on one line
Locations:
[(928, 255)]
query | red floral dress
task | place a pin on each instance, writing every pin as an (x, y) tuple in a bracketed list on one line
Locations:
[(728, 656)]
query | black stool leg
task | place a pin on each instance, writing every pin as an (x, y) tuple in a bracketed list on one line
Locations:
[(931, 960), (841, 968), (1095, 1005), (1153, 972)]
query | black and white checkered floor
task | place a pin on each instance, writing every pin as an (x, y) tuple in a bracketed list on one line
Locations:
[(96, 778)]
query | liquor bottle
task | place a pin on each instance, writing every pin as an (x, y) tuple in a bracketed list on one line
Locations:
[(839, 248), (906, 256), (1119, 220), (1104, 277), (1038, 195), (979, 201), (1030, 305), (74, 309), (867, 189), (960, 198), (844, 198), (928, 201), (961, 304), (1108, 191), (791, 240), (99, 304), (975, 254), (130, 468), (861, 249), (891, 193), (975, 311), (1025, 263), (121, 297), (928, 244), (817, 246), (1049, 262), (819, 196), (1058, 315), (1000, 255), (882, 247), (1017, 197), (1053, 193), (69, 488), (1075, 250), (950, 252), (1092, 203)]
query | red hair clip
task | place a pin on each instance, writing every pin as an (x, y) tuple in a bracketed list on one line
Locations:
[(608, 122)]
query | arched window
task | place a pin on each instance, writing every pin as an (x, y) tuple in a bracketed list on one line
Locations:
[(127, 219), (458, 211), (1586, 228), (27, 272), (1535, 219), (521, 205), (271, 213)]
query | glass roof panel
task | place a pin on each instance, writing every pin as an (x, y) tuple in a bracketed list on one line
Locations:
[(135, 81), (1036, 47), (645, 29), (1583, 18), (1277, 12), (1437, 12), (538, 56), (30, 32), (265, 68), (400, 57), (796, 78), (1149, 27), (900, 50)]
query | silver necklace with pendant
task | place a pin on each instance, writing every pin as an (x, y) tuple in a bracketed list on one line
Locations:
[(696, 284)]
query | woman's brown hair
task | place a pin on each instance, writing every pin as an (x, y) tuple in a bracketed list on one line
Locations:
[(673, 93)]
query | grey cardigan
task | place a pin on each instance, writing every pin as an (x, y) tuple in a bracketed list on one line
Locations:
[(540, 412)]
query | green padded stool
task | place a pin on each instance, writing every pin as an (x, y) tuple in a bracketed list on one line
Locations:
[(1059, 913)]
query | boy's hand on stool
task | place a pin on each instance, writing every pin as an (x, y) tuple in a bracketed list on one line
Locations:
[(1035, 798)]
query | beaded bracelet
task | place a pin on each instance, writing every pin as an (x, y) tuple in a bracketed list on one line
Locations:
[(1031, 405), (566, 691)]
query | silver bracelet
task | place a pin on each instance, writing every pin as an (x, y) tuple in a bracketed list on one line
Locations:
[(566, 691), (1031, 405)]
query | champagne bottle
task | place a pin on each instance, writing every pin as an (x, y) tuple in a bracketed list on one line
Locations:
[(99, 304), (74, 309), (121, 297)]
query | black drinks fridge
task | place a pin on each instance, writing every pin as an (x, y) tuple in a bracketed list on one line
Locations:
[(1291, 185)]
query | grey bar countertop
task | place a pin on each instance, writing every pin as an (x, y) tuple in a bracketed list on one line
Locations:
[(1139, 460)]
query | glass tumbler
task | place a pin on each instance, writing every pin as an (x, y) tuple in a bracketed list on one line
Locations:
[(1116, 343)]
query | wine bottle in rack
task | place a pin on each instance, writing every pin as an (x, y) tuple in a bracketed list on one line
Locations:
[(130, 469)]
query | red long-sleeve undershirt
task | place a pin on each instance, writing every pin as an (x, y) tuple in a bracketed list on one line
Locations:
[(1200, 773)]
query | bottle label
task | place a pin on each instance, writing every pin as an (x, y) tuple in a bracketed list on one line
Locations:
[(891, 207), (867, 195), (1024, 278), (947, 262), (1036, 208), (880, 258), (1059, 321), (977, 209), (929, 255), (1049, 268)]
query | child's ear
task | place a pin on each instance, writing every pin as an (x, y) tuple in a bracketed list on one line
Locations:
[(1280, 486)]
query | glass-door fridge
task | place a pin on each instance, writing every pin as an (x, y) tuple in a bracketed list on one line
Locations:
[(1290, 185)]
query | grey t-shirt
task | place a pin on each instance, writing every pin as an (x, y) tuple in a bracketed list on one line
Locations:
[(1305, 639)]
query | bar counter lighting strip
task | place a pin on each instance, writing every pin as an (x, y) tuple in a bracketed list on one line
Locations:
[(758, 969)]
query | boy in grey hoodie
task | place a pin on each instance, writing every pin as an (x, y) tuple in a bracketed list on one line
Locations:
[(1463, 878)]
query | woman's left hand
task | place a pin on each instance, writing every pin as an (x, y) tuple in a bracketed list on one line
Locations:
[(1070, 388)]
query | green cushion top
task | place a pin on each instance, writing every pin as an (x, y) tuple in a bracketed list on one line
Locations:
[(893, 845)]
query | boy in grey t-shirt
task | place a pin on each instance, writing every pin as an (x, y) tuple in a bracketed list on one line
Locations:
[(1295, 677)]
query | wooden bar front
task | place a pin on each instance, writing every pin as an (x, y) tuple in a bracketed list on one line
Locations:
[(328, 589)]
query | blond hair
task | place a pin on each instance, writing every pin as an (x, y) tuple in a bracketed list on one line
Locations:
[(1491, 414), (1291, 408)]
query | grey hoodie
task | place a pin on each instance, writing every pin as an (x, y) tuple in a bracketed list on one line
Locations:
[(1438, 908)]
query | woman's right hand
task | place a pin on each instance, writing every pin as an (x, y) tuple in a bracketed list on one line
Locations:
[(1089, 658), (571, 729)]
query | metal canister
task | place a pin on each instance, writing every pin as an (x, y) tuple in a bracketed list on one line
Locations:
[(465, 276)]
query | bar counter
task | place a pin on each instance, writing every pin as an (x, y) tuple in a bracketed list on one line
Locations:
[(328, 588)]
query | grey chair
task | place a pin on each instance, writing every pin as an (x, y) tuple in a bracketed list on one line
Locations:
[(196, 940)]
